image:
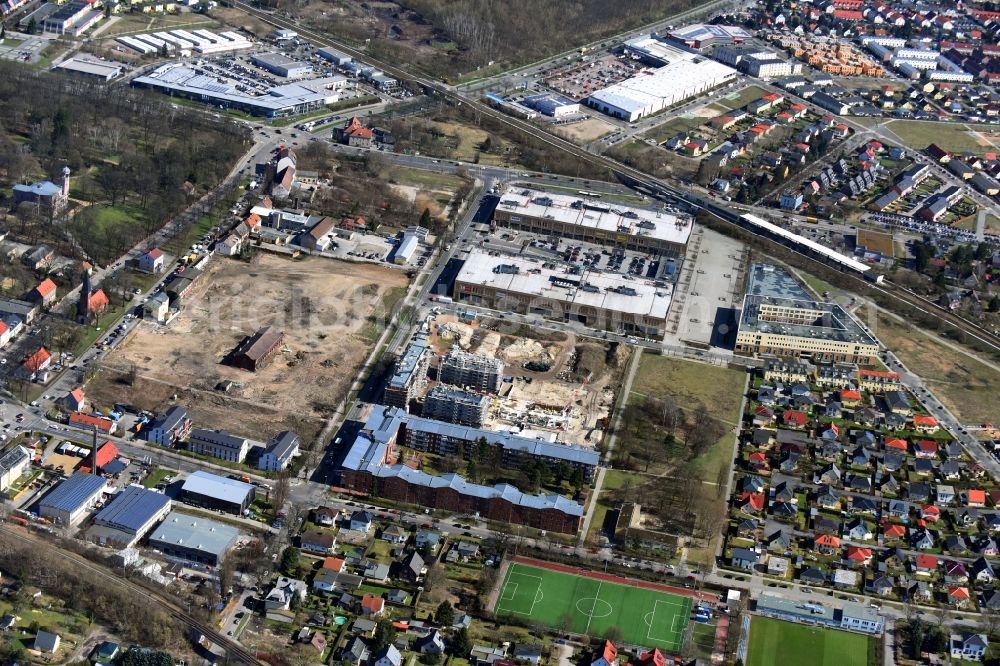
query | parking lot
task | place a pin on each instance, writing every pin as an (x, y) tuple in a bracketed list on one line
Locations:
[(23, 47), (710, 287), (580, 79), (579, 256)]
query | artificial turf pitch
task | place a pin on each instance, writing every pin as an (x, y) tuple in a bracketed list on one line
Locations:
[(791, 644), (589, 606)]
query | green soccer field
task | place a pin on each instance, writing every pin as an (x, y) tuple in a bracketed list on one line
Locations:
[(794, 644), (586, 606)]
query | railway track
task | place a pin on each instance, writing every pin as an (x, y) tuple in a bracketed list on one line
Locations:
[(236, 652), (628, 174)]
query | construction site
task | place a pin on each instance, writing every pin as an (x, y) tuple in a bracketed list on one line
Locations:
[(556, 385), (329, 312)]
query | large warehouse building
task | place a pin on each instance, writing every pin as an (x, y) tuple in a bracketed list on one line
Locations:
[(575, 218), (281, 101), (71, 500), (128, 517), (217, 492), (605, 301), (684, 74), (194, 538), (779, 319), (282, 65)]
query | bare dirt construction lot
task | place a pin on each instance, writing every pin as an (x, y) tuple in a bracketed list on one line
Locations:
[(327, 309), (561, 384), (585, 131)]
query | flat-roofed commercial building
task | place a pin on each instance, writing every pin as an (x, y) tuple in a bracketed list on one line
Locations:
[(576, 218), (194, 538), (72, 499), (90, 69), (129, 516), (216, 492), (282, 65), (700, 35), (292, 98), (605, 301), (649, 93), (779, 319)]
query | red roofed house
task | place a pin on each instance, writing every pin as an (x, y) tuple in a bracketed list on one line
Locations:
[(751, 502), (334, 564), (98, 302), (106, 452), (930, 513), (606, 656), (44, 293), (75, 401), (794, 419), (958, 595), (354, 133), (859, 555), (848, 14), (152, 261), (926, 448), (654, 658), (372, 605), (976, 497), (850, 397), (5, 334), (104, 425), (758, 460), (894, 531), (827, 544), (896, 443), (33, 367), (925, 424), (926, 564)]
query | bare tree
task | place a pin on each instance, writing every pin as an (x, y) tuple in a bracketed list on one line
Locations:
[(282, 486)]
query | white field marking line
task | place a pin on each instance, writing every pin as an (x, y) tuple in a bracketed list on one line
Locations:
[(509, 585), (673, 629), (597, 596), (534, 597)]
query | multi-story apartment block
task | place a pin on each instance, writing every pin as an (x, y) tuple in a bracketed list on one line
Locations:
[(218, 444), (409, 375), (456, 406), (480, 373)]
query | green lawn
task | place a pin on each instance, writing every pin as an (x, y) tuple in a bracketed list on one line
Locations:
[(742, 98), (587, 606), (773, 641), (157, 476), (692, 384), (955, 137)]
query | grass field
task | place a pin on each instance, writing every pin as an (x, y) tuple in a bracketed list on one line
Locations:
[(588, 606), (794, 644), (961, 382), (742, 98), (955, 137)]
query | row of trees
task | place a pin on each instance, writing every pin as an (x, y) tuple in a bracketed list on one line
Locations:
[(130, 616)]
